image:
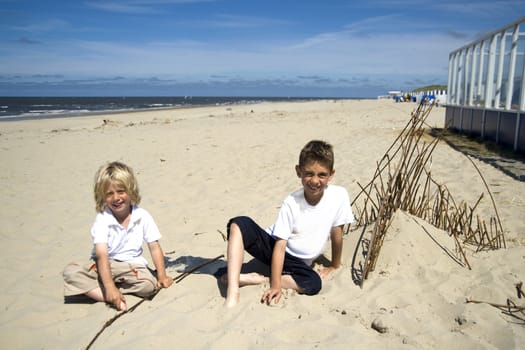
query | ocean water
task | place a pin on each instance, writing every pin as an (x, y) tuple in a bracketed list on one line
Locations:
[(24, 108)]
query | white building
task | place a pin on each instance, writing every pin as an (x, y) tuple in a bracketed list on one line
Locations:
[(486, 87)]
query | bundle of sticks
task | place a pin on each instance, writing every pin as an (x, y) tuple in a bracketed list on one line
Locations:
[(403, 180)]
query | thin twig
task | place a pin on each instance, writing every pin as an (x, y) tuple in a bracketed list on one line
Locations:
[(519, 290), (402, 180), (131, 309), (193, 269), (503, 306), (224, 238), (491, 197)]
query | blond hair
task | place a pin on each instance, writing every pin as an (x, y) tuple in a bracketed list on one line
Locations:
[(120, 174)]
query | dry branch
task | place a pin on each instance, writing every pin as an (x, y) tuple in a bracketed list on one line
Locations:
[(177, 279), (402, 180)]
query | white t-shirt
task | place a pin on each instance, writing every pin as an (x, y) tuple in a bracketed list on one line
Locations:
[(125, 244), (307, 228)]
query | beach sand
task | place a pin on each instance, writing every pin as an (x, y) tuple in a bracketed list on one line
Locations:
[(197, 168)]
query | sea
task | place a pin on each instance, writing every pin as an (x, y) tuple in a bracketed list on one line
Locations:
[(31, 108)]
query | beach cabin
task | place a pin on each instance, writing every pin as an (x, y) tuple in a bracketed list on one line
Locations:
[(391, 95), (486, 87), (437, 97)]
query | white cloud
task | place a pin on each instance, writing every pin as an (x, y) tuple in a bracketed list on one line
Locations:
[(42, 26), (329, 53), (213, 48), (137, 6)]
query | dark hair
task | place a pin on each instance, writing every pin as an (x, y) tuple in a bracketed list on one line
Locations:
[(319, 151)]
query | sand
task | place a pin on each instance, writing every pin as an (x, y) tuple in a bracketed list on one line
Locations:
[(197, 168)]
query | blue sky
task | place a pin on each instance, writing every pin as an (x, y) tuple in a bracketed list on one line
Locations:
[(325, 48)]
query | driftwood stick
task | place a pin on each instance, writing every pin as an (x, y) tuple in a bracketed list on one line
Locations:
[(131, 309), (503, 306), (193, 269), (403, 180), (109, 322), (519, 290), (491, 198), (224, 238)]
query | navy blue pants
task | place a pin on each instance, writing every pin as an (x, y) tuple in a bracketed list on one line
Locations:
[(260, 245)]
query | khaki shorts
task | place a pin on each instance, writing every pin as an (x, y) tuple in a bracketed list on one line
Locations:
[(129, 278)]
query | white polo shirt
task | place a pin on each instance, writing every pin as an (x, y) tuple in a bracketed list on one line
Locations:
[(125, 244)]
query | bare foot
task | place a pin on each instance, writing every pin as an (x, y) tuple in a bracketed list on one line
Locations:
[(232, 299), (246, 279), (252, 278)]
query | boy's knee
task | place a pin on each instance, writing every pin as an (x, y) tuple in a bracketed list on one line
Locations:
[(69, 271), (233, 227), (313, 285), (74, 271), (236, 224), (145, 289), (138, 281), (78, 279)]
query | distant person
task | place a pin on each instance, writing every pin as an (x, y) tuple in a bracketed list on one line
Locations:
[(117, 266), (307, 220)]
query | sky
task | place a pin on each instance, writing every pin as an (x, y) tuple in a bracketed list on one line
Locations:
[(285, 48)]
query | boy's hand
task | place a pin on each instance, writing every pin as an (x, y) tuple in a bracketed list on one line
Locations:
[(114, 297), (271, 294), (164, 282)]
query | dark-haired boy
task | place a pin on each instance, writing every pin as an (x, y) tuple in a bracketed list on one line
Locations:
[(308, 218)]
